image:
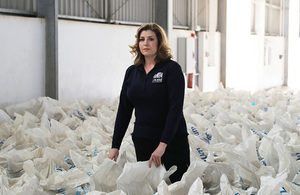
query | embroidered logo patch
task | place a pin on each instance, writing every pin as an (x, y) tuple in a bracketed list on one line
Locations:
[(158, 77)]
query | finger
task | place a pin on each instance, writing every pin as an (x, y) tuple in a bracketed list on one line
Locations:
[(157, 162), (150, 162)]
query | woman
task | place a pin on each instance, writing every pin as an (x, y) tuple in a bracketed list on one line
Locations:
[(154, 87)]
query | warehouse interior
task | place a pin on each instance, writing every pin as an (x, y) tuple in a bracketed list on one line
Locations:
[(62, 66)]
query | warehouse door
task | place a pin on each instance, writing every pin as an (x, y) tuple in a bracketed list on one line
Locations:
[(273, 73)]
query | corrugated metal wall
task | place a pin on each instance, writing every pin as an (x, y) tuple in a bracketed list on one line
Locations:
[(139, 11), (136, 11), (19, 5), (132, 10), (202, 14), (180, 12), (83, 8)]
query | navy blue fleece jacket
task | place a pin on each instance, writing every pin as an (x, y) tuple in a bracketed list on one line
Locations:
[(157, 99)]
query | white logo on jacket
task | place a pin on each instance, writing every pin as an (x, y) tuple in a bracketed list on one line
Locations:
[(157, 78)]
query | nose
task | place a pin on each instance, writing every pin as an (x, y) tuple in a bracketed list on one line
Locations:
[(146, 42)]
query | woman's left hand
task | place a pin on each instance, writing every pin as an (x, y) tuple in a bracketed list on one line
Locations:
[(157, 154)]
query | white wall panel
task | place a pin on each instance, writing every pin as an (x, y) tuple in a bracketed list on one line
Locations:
[(93, 59), (22, 59)]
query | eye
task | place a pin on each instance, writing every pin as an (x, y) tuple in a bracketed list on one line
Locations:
[(141, 39)]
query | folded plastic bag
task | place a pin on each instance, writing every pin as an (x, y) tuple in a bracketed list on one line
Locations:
[(278, 156), (104, 179), (4, 186), (127, 146), (200, 122), (270, 185), (227, 188), (116, 192), (31, 185), (40, 137), (223, 118), (65, 180), (29, 106), (44, 154), (71, 122), (133, 179), (4, 117), (195, 170), (296, 179), (16, 158), (6, 131), (44, 167), (81, 163), (76, 109), (219, 135), (59, 131), (245, 160), (285, 123), (197, 188), (198, 147), (162, 189), (105, 120), (66, 145), (98, 138), (287, 163), (52, 107), (268, 152), (138, 178), (212, 174)]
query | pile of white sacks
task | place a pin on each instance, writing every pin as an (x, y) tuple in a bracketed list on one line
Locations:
[(241, 143)]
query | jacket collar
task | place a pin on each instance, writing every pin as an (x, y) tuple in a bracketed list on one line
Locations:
[(157, 65)]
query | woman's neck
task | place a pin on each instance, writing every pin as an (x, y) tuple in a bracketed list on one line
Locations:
[(149, 65), (150, 61)]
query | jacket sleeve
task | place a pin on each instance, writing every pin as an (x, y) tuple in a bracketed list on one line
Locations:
[(176, 92), (123, 115)]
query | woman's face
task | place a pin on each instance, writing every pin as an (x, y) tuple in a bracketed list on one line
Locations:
[(148, 43)]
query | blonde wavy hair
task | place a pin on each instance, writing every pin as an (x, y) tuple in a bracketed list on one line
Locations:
[(163, 50)]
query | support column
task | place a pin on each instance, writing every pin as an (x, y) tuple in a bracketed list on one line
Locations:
[(222, 27), (164, 15), (48, 9), (286, 41)]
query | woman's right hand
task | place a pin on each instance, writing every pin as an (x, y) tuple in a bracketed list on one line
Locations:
[(113, 154)]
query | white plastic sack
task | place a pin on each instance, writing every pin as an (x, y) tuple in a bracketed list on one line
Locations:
[(212, 174), (81, 163), (104, 179), (163, 189), (16, 158), (4, 117), (65, 180), (40, 137), (270, 185), (32, 186), (228, 189), (29, 106), (137, 178), (195, 170), (52, 107), (117, 192), (197, 188), (4, 186)]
